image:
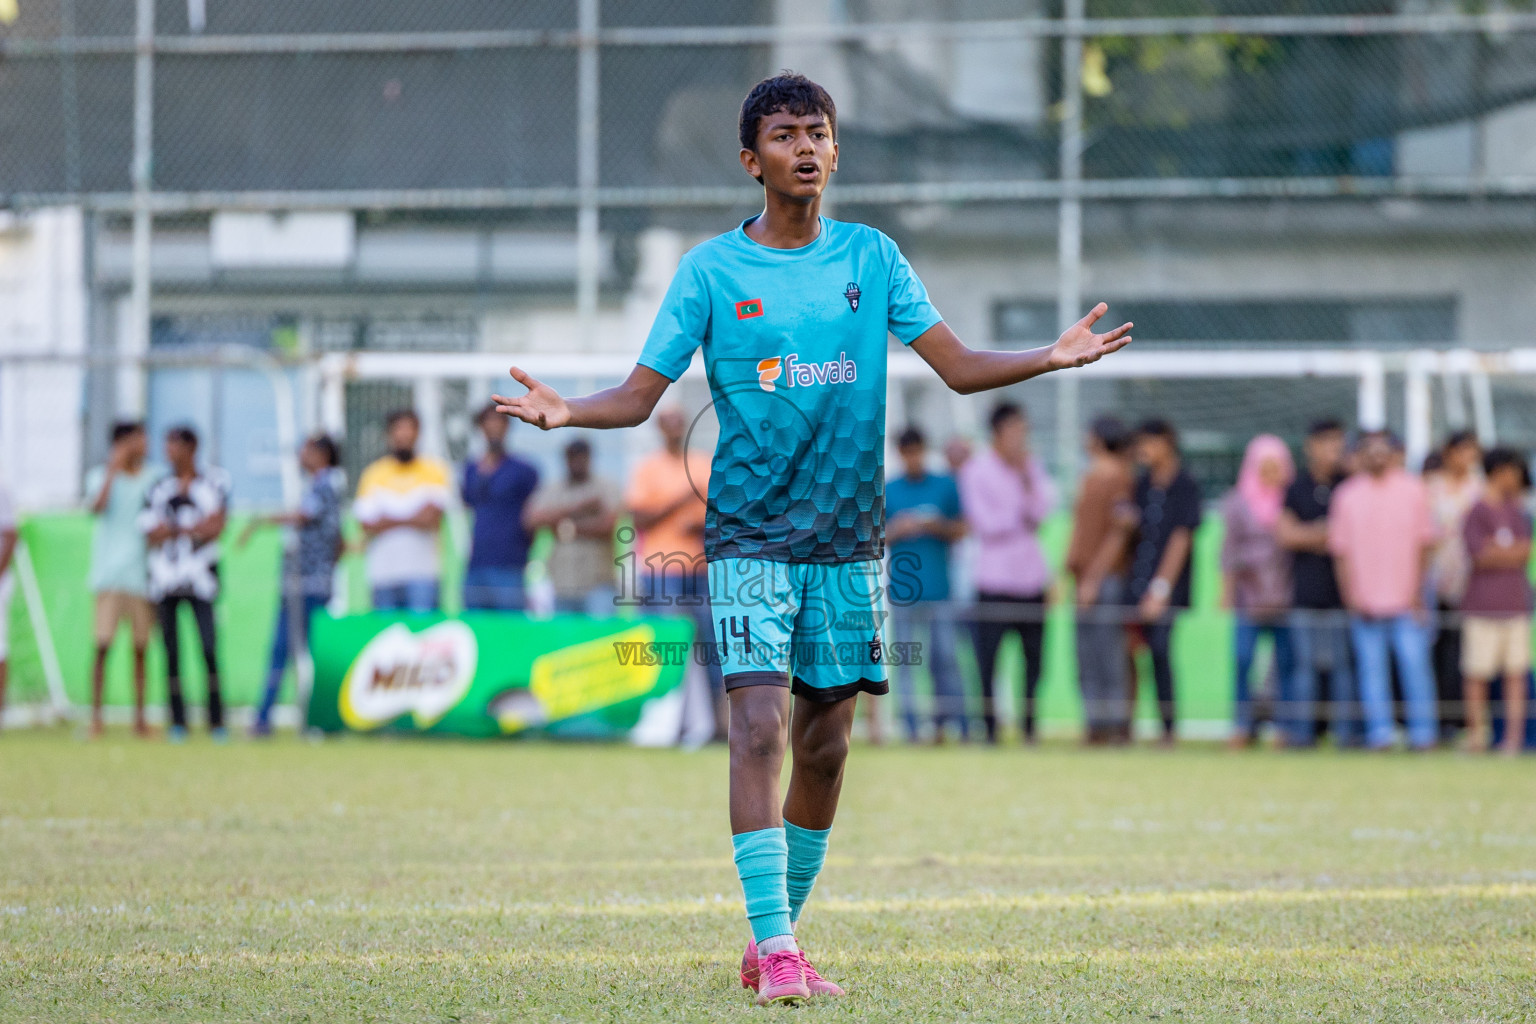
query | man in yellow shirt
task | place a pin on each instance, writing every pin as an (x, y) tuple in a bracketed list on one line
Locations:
[(400, 502)]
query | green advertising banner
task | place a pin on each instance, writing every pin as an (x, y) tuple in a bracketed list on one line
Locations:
[(496, 673)]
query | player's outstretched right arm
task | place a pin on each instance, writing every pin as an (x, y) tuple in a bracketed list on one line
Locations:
[(627, 405)]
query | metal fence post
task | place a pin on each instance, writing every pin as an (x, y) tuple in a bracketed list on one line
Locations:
[(142, 171), (1069, 235), (587, 123)]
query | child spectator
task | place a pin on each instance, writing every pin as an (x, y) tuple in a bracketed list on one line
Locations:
[(1496, 630)]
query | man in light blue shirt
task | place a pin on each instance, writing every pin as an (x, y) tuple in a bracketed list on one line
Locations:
[(922, 521), (118, 577)]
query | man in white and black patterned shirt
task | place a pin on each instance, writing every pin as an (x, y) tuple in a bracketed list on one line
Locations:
[(184, 514)]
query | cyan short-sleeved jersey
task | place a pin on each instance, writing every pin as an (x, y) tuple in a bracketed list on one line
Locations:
[(795, 350)]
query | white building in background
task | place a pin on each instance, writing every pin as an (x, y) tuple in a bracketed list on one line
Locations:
[(42, 347), (264, 289)]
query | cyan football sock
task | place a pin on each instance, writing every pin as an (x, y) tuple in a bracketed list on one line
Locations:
[(761, 860), (807, 853)]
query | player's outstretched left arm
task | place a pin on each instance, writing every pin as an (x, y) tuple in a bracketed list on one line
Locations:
[(968, 370)]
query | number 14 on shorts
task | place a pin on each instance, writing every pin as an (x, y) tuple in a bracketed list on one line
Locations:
[(729, 628)]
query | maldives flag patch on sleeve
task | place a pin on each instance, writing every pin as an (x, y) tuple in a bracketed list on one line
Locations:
[(746, 309)]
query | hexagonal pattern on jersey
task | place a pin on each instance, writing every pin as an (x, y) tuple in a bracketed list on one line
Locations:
[(797, 479)]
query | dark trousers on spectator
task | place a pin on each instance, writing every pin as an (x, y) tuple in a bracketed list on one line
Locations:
[(993, 622), (202, 611), (1102, 664), (1245, 644), (1447, 662), (1159, 638)]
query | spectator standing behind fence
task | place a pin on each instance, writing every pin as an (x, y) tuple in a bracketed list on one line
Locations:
[(1096, 558), (1167, 514), (580, 511), (1256, 576), (184, 514), (312, 548), (1454, 487), (497, 487), (1319, 626), (8, 538), (1496, 639), (666, 500), (1006, 494), (1380, 533), (962, 561), (922, 521), (400, 502), (119, 578)]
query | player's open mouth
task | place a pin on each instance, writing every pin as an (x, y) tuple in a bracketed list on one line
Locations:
[(807, 171)]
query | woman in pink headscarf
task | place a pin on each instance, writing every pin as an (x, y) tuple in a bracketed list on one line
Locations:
[(1256, 570)]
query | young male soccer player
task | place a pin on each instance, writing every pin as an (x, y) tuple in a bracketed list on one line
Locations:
[(792, 310)]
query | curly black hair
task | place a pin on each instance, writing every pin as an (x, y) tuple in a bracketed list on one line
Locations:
[(786, 91)]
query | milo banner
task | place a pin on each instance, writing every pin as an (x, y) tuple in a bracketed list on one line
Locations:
[(498, 674)]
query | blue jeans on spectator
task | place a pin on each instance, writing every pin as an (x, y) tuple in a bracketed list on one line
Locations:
[(1320, 644), (494, 588), (1246, 643), (927, 630), (289, 639), (408, 596), (1409, 643), (597, 602)]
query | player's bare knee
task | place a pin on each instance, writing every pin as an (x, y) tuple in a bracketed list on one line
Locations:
[(758, 733)]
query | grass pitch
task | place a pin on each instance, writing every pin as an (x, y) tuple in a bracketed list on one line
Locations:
[(432, 881)]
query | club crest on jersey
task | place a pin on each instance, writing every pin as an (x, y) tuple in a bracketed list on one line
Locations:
[(841, 370), (746, 309), (852, 294)]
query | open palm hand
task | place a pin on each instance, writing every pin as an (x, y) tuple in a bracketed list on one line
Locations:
[(1079, 346), (542, 405)]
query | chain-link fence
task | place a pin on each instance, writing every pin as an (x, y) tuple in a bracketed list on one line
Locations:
[(1329, 173)]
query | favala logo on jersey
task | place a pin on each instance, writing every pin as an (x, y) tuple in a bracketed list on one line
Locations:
[(841, 370)]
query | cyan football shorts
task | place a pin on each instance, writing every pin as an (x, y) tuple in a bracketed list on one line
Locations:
[(816, 628)]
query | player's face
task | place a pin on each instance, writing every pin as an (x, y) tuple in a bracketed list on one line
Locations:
[(795, 156)]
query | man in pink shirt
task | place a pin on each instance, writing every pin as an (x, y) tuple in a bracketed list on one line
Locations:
[(1380, 533), (1006, 494)]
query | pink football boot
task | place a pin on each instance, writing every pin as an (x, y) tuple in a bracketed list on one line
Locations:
[(814, 982)]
